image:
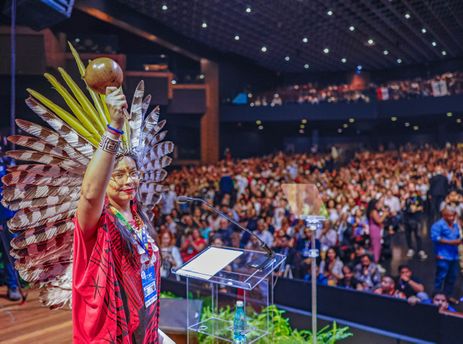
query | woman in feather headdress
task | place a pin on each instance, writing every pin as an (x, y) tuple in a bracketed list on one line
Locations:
[(80, 203)]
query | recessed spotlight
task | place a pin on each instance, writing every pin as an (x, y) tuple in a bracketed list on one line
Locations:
[(164, 7), (407, 124), (330, 12), (340, 131), (399, 61), (423, 30), (251, 104), (343, 60), (248, 9), (352, 28), (371, 41), (458, 120), (386, 52), (306, 66), (415, 127), (305, 40), (250, 95), (204, 25), (304, 121), (287, 58), (301, 131), (237, 38), (326, 50), (77, 40), (173, 82), (201, 76), (449, 114), (444, 52), (345, 125), (407, 16), (433, 43), (351, 120), (260, 127), (394, 119), (162, 56), (263, 49), (302, 126), (258, 122)]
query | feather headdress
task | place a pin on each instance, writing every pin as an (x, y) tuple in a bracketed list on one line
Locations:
[(44, 192)]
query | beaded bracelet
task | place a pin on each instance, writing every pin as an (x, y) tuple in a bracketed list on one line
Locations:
[(115, 131)]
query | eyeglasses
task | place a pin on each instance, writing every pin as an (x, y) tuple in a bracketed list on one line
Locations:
[(121, 177)]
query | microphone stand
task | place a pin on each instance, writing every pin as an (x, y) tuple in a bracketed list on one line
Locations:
[(263, 245)]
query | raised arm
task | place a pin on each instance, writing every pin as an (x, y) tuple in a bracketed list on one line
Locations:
[(100, 168)]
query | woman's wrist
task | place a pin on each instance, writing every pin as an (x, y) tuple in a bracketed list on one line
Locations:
[(118, 125)]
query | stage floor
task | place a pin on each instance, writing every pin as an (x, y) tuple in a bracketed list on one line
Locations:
[(31, 322)]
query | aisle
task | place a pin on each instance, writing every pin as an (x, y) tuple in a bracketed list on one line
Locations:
[(31, 322)]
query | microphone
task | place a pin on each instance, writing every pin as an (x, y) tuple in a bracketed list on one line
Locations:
[(185, 199)]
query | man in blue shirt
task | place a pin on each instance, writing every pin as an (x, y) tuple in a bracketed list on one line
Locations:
[(446, 237)]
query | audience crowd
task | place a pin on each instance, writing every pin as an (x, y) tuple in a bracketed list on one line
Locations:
[(367, 201), (450, 83)]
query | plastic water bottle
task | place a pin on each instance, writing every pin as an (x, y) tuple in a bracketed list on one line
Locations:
[(239, 324)]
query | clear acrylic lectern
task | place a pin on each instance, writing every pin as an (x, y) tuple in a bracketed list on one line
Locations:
[(228, 275)]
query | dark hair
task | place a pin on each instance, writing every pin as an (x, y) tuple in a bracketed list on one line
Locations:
[(403, 266), (371, 206), (438, 292)]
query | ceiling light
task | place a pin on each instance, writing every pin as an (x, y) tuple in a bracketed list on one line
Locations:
[(304, 121), (330, 12), (345, 125), (287, 58), (399, 61), (250, 95), (423, 30), (173, 82), (415, 127), (306, 66), (260, 127), (201, 76), (162, 56), (394, 119), (458, 120), (386, 52), (449, 114), (305, 40), (359, 68), (343, 60), (204, 25), (248, 9), (433, 43), (407, 124), (263, 49), (339, 130), (164, 7), (371, 41), (407, 16), (351, 120), (351, 28), (302, 126), (258, 122), (237, 38), (301, 131), (251, 104), (326, 50), (444, 52)]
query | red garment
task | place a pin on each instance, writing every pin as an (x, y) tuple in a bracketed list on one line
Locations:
[(107, 297)]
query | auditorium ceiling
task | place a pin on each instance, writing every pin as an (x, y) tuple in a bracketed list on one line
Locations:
[(318, 35)]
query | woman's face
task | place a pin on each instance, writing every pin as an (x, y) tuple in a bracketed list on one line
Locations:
[(331, 254), (124, 182), (165, 240)]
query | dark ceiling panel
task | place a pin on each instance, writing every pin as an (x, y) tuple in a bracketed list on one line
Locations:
[(395, 26)]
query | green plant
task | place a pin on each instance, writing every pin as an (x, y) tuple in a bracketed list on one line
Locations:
[(280, 330)]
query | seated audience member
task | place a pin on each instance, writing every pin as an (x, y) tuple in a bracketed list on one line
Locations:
[(409, 284), (388, 288), (288, 266), (441, 300), (367, 273), (321, 279), (171, 257), (192, 245), (332, 266), (349, 281), (263, 233)]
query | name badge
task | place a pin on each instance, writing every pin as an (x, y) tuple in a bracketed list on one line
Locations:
[(148, 281)]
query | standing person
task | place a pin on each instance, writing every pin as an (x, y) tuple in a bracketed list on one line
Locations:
[(413, 211), (446, 237), (438, 189), (171, 257), (91, 223), (375, 222)]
